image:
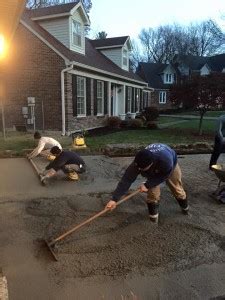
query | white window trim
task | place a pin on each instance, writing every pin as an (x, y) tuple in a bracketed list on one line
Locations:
[(129, 100), (85, 100), (102, 84), (162, 97), (125, 56), (168, 78), (147, 94), (138, 95), (81, 33)]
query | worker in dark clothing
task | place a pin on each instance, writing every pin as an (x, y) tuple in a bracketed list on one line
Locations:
[(67, 161), (219, 144), (158, 163)]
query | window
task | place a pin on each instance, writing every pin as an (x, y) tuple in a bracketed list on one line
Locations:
[(168, 78), (77, 33), (81, 96), (125, 60), (129, 98), (100, 97), (145, 102), (138, 100), (162, 97)]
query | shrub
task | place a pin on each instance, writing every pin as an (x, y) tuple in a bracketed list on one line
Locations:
[(152, 125), (113, 122), (135, 123), (151, 113)]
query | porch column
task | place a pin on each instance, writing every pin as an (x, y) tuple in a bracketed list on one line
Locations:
[(109, 98)]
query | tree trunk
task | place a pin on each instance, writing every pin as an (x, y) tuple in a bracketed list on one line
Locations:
[(200, 123)]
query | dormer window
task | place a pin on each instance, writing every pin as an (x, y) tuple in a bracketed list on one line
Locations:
[(168, 78), (77, 33), (125, 59)]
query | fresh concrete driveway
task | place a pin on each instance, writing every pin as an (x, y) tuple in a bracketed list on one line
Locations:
[(121, 254)]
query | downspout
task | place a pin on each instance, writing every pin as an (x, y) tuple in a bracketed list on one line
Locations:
[(63, 97)]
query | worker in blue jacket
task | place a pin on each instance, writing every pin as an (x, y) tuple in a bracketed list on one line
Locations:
[(158, 163), (219, 144), (68, 162)]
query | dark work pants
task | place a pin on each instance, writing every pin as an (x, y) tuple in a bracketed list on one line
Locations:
[(218, 148)]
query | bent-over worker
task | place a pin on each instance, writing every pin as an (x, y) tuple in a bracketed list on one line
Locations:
[(158, 163), (219, 143), (44, 146), (70, 163)]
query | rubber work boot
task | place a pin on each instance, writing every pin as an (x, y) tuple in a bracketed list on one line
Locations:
[(183, 205), (153, 209), (72, 175)]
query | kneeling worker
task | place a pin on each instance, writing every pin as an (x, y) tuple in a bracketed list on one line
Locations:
[(44, 146), (158, 163), (67, 161)]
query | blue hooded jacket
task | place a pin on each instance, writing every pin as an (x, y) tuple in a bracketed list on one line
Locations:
[(164, 161)]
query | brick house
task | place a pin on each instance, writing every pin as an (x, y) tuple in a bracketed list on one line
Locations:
[(160, 76), (57, 79)]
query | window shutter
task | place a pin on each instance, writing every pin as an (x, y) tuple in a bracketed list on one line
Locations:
[(88, 96), (141, 101), (133, 101), (105, 97), (126, 97), (74, 94), (95, 97)]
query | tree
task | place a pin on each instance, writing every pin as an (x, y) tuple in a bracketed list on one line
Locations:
[(205, 38), (161, 43), (101, 35), (200, 93), (44, 3), (136, 55)]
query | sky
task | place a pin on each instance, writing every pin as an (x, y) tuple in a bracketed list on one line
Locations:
[(126, 17)]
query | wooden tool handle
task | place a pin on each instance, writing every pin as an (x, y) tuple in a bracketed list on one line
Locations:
[(34, 165), (92, 218), (36, 168)]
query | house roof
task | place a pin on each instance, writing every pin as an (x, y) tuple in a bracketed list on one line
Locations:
[(195, 63), (216, 62), (151, 72), (109, 42), (52, 10), (92, 58)]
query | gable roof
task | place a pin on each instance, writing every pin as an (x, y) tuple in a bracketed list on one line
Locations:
[(93, 60), (52, 10), (151, 72), (216, 62), (110, 42)]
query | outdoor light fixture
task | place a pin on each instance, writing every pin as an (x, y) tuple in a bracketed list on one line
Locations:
[(2, 46)]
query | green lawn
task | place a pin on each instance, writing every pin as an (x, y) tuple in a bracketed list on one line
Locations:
[(186, 132), (196, 113)]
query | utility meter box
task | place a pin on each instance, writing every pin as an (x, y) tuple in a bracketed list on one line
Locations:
[(31, 101)]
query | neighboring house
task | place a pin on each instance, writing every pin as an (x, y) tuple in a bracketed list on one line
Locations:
[(160, 77), (56, 79)]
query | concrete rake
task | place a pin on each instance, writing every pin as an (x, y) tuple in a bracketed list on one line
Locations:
[(51, 244)]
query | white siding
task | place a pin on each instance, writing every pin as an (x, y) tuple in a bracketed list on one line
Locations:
[(204, 71), (59, 28), (114, 55)]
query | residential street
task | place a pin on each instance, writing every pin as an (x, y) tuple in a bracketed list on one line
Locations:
[(120, 254)]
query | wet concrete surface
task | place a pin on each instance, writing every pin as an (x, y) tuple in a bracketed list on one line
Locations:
[(121, 255)]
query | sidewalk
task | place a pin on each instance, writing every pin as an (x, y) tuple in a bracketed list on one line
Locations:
[(188, 117)]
